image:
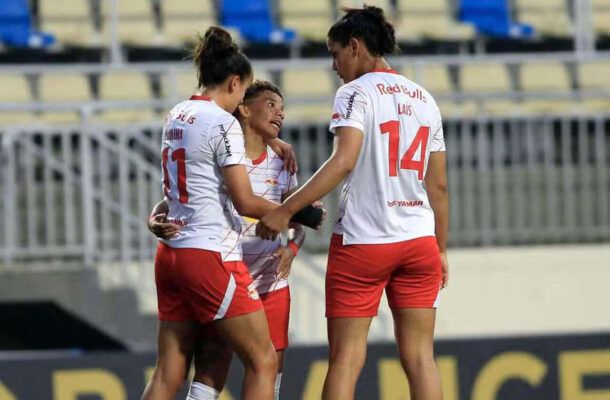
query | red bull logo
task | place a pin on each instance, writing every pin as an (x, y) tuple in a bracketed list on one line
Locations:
[(272, 182), (252, 292)]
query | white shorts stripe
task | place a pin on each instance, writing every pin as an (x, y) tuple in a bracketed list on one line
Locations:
[(437, 302), (226, 301)]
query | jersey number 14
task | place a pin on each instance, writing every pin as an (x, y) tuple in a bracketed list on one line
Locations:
[(178, 155), (407, 161)]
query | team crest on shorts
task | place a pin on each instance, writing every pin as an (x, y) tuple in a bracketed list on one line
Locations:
[(252, 292)]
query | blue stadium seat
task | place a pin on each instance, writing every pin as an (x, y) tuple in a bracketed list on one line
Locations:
[(253, 19), (492, 17), (16, 26)]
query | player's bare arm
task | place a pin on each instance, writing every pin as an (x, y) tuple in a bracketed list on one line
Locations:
[(342, 161), (245, 201), (436, 186), (157, 223)]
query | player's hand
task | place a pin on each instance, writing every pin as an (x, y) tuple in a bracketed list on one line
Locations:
[(319, 204), (286, 152), (272, 224), (159, 226), (445, 272), (286, 255)]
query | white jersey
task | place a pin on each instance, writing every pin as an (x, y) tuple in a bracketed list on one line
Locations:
[(270, 182), (384, 199), (200, 138)]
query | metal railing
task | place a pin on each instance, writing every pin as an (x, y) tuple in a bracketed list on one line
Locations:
[(85, 191), (81, 195)]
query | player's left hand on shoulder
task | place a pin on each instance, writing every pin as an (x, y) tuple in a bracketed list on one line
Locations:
[(286, 255), (287, 154)]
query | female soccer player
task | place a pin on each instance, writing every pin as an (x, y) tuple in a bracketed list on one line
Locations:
[(261, 116), (199, 273), (389, 148)]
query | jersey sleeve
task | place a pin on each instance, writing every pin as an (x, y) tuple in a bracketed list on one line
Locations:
[(227, 142), (349, 109), (438, 138)]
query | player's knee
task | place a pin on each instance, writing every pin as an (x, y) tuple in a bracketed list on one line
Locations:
[(269, 361), (353, 356), (417, 363), (263, 362)]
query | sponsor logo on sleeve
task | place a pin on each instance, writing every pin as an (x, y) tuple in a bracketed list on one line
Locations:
[(350, 105), (223, 132)]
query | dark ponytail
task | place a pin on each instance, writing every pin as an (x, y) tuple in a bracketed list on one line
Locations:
[(217, 57), (367, 24)]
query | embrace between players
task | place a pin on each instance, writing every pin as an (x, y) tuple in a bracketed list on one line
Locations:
[(220, 267)]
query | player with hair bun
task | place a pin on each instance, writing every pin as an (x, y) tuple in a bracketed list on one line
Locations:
[(199, 273), (392, 228), (260, 115)]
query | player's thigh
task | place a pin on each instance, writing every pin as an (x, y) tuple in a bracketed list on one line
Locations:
[(347, 338), (414, 330), (176, 344), (248, 336), (355, 278)]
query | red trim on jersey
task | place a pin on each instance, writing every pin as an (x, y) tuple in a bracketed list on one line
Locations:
[(389, 71), (260, 159), (197, 97)]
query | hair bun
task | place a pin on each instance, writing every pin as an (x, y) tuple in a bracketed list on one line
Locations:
[(368, 24), (374, 12), (217, 41)]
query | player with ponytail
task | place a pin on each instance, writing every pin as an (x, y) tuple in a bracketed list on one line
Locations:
[(391, 231), (199, 274)]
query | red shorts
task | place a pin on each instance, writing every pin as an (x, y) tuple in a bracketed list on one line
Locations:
[(410, 272), (277, 308), (196, 285)]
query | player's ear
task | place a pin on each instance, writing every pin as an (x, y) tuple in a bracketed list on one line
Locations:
[(234, 82), (354, 46), (243, 110)]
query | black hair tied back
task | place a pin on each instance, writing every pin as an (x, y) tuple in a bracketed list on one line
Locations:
[(367, 24), (216, 57)]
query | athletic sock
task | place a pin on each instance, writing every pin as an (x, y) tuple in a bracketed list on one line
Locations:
[(278, 382), (199, 391)]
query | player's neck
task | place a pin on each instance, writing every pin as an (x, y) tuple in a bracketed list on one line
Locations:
[(255, 144), (219, 97), (375, 63)]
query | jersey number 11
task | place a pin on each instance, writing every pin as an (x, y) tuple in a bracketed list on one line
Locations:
[(178, 155), (407, 161)]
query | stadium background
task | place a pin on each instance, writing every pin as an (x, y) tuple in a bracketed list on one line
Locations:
[(524, 89)]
